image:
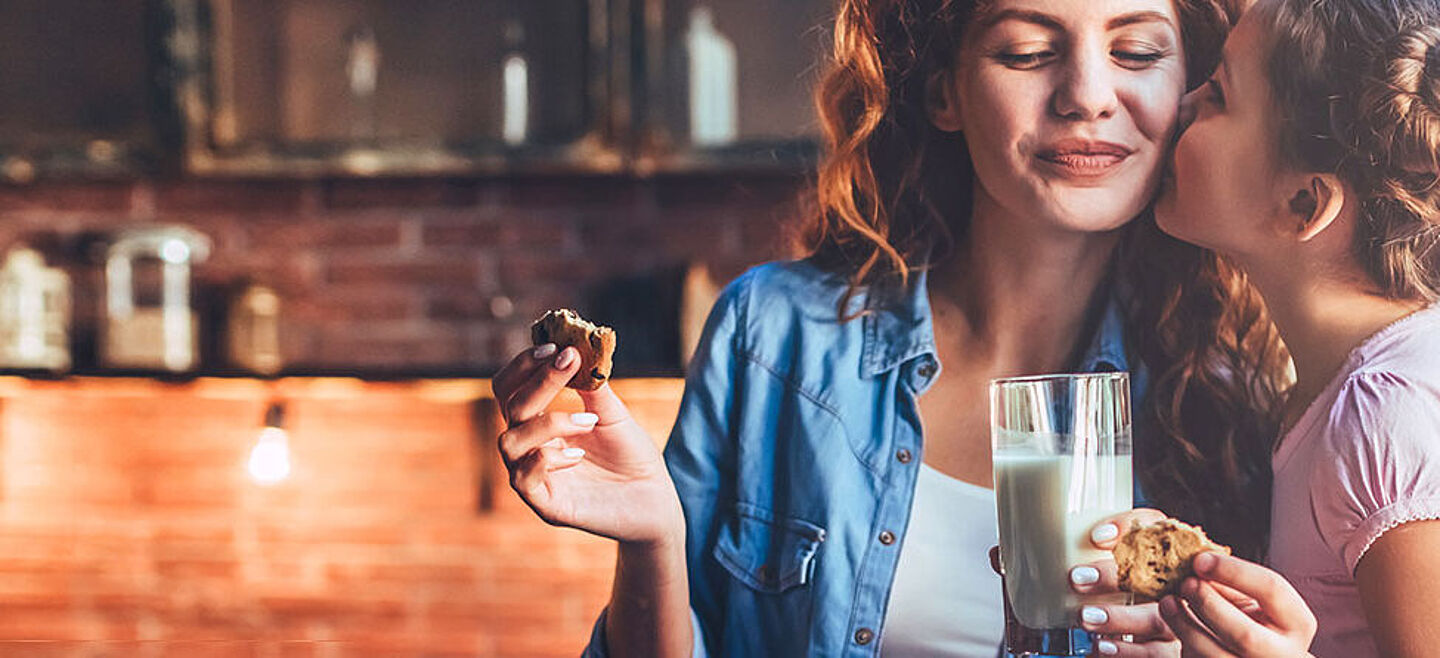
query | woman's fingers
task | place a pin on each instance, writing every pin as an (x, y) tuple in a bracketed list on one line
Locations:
[(1275, 595), (546, 381), (1095, 578), (1107, 532), (518, 441), (530, 477), (1193, 636), (519, 369), (1142, 621), (1122, 649)]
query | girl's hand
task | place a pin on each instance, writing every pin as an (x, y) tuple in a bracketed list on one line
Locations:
[(597, 471), (1235, 608)]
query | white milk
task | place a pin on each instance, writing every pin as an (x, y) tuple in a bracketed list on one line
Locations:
[(1047, 506)]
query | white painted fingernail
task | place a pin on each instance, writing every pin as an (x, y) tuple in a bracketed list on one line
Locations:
[(543, 351), (1107, 647), (1084, 575), (1104, 533), (584, 419), (566, 358), (1093, 615), (573, 453)]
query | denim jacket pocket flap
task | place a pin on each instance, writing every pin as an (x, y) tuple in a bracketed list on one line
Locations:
[(766, 553)]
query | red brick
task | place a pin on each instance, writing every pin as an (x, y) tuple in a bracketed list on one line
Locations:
[(242, 196), (399, 193), (447, 272), (67, 197), (292, 234)]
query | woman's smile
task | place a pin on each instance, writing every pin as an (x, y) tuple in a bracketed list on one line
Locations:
[(1082, 158)]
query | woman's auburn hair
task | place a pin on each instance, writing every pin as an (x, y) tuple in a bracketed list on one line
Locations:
[(893, 196)]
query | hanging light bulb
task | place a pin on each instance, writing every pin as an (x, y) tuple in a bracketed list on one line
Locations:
[(270, 458)]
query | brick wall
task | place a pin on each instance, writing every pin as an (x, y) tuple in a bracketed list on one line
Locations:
[(436, 275), (129, 527)]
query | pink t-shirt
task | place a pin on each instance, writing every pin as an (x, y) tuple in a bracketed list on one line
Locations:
[(1363, 459)]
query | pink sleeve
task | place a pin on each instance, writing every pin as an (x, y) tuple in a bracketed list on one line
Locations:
[(1384, 440)]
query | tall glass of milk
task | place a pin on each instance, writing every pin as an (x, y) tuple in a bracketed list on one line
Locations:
[(1061, 447)]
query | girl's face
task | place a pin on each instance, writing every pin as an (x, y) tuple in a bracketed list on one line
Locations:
[(1067, 107), (1228, 166)]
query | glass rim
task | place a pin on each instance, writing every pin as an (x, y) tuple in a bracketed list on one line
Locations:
[(1062, 376)]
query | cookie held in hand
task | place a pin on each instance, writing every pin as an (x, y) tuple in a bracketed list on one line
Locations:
[(1152, 560), (596, 345)]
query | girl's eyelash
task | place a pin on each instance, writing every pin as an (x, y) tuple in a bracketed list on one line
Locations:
[(1216, 93)]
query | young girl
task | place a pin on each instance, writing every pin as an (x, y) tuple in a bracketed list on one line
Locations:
[(1314, 164)]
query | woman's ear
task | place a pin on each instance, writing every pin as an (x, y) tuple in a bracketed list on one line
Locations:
[(1318, 205), (942, 102)]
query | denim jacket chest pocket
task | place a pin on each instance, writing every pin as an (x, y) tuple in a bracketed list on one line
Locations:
[(768, 553)]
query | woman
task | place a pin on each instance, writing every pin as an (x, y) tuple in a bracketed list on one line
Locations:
[(1314, 163), (985, 163)]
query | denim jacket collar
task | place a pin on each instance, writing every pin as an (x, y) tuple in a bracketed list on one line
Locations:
[(898, 332)]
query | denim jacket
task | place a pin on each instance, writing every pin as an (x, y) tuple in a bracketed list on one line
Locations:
[(797, 445)]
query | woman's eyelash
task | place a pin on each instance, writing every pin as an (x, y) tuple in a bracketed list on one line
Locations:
[(1145, 57), (1024, 59)]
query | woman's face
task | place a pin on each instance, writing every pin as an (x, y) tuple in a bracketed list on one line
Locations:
[(1227, 169), (1067, 107)]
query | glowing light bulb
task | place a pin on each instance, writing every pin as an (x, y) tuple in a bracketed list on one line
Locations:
[(270, 458)]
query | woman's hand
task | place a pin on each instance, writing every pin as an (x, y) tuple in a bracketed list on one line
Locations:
[(1238, 608), (1147, 634), (597, 471)]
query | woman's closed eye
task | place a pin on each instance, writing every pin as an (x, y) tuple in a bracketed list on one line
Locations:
[(1138, 59), (1026, 59)]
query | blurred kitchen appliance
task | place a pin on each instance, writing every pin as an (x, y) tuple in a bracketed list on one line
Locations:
[(34, 313), (253, 330), (151, 327)]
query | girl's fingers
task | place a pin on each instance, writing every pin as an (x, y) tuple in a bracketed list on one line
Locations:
[(519, 440), (545, 382), (1195, 639), (1275, 595), (1142, 621), (1105, 533), (1095, 578), (1231, 626), (519, 369)]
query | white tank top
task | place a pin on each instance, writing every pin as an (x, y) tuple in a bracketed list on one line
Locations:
[(946, 601)]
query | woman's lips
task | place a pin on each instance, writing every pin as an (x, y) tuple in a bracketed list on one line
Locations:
[(1083, 158)]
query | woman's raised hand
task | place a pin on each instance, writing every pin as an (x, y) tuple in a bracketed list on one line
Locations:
[(1149, 635), (597, 471)]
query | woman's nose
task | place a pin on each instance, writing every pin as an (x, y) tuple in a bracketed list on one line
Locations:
[(1087, 91)]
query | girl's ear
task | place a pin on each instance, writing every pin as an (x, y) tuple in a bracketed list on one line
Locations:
[(942, 102), (1318, 205)]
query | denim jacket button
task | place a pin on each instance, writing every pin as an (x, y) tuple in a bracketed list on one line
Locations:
[(903, 456), (887, 538), (864, 636), (926, 370)]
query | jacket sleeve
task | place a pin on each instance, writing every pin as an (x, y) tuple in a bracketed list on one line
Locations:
[(700, 455)]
